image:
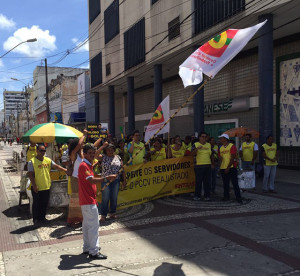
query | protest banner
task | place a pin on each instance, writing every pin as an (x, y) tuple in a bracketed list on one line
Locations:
[(96, 131), (152, 180)]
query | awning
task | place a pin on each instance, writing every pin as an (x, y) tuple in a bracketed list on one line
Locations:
[(77, 117)]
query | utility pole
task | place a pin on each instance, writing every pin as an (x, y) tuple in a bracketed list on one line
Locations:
[(47, 92), (27, 107)]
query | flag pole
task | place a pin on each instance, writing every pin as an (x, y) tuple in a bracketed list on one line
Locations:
[(170, 118), (168, 145)]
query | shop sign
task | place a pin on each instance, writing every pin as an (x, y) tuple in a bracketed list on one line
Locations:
[(232, 105)]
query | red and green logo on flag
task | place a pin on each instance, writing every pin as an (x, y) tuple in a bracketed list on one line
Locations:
[(218, 45), (158, 116)]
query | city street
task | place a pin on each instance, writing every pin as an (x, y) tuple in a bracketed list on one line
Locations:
[(169, 236)]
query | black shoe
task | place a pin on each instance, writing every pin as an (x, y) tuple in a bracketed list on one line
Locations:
[(85, 252), (239, 201), (225, 199), (98, 256)]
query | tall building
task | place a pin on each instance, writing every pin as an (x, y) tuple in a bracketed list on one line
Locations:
[(137, 46), (14, 103)]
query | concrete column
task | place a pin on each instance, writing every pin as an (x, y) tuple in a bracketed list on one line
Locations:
[(97, 108), (265, 61), (199, 109), (130, 100), (112, 124), (157, 85)]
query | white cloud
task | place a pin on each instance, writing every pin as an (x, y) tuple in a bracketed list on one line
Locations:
[(6, 23), (1, 63), (45, 42), (84, 48)]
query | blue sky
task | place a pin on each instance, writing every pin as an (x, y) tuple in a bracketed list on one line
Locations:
[(57, 25)]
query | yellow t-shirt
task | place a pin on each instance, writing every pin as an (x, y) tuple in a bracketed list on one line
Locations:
[(178, 153), (31, 152), (187, 147), (203, 154), (215, 152), (159, 155), (271, 153), (248, 150), (139, 158), (42, 173), (226, 156)]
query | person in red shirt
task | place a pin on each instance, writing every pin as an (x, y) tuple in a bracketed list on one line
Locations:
[(87, 192)]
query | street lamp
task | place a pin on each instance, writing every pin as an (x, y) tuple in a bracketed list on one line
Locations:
[(29, 40)]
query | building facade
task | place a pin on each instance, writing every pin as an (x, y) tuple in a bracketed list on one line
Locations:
[(137, 46), (39, 87)]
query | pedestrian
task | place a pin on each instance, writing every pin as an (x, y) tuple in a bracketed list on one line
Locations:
[(87, 199), (187, 143), (248, 153), (204, 163), (39, 174), (136, 149), (270, 155), (76, 157), (214, 169), (111, 164), (157, 152), (122, 151), (177, 150), (227, 155)]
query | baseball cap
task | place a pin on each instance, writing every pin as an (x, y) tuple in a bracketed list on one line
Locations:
[(225, 136)]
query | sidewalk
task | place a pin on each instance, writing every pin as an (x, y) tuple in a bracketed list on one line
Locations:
[(170, 236)]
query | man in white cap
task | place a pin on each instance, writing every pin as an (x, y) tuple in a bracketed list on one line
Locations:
[(227, 154)]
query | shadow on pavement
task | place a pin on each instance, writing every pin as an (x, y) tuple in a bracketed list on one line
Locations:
[(19, 212), (169, 269), (23, 230), (81, 261)]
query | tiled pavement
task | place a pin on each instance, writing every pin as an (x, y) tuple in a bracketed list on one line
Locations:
[(265, 230)]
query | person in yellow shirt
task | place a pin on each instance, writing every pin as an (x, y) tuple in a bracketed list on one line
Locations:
[(177, 150), (136, 149), (31, 151), (157, 152), (39, 174), (248, 153), (204, 163), (214, 169), (227, 154), (270, 154), (187, 143)]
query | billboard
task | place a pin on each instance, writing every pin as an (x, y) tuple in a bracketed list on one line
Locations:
[(288, 100)]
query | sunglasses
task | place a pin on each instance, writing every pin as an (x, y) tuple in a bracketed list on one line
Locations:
[(42, 150), (203, 136)]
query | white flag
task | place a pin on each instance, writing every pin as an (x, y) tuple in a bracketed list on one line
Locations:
[(211, 57), (160, 116)]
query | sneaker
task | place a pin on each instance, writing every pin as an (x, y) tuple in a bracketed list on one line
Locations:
[(196, 198), (98, 256)]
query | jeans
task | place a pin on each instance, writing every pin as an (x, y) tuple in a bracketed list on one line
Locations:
[(110, 197), (214, 179), (203, 175), (90, 227), (247, 165), (269, 177), (39, 204), (231, 175)]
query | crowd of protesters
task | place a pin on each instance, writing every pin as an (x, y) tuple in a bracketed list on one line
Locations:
[(89, 163)]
